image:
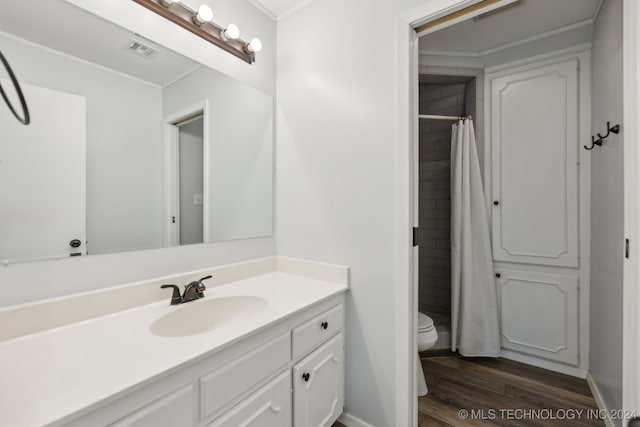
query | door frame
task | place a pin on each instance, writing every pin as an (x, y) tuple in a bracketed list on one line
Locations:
[(171, 230), (406, 255), (630, 135)]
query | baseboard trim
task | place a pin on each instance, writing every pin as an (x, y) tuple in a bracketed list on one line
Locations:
[(597, 396), (545, 364), (352, 421)]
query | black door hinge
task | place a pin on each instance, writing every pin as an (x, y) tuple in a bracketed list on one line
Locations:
[(626, 248), (415, 236)]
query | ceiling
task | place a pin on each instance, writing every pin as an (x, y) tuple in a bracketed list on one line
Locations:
[(278, 9), (66, 28), (526, 20)]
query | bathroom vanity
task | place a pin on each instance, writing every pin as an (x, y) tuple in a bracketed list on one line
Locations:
[(273, 355)]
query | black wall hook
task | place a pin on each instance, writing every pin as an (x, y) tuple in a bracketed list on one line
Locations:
[(610, 129)]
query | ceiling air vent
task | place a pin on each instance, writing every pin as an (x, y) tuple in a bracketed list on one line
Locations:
[(139, 48)]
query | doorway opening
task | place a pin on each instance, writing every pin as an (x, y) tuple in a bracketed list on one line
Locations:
[(547, 61), (186, 158)]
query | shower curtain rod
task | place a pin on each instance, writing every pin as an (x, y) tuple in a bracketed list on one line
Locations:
[(434, 117)]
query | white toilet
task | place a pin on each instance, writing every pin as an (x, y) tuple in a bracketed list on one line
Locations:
[(427, 337)]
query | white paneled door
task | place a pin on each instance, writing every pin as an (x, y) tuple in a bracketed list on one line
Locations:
[(539, 314), (42, 177), (534, 141)]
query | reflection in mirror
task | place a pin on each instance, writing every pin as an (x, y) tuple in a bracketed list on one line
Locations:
[(108, 151)]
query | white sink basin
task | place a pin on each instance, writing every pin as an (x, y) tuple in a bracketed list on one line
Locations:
[(201, 316)]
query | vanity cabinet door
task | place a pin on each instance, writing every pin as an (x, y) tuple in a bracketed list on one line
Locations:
[(318, 386), (268, 407)]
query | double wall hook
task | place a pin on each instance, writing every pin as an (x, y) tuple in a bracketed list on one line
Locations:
[(610, 129)]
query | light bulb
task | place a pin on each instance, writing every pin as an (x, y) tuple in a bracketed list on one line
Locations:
[(231, 33), (255, 45), (167, 3), (204, 14)]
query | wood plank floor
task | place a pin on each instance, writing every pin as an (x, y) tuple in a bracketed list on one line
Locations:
[(500, 392)]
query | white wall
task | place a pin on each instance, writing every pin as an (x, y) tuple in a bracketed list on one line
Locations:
[(607, 207), (124, 135), (335, 175), (36, 280)]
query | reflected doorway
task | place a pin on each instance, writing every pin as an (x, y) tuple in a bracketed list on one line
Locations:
[(186, 203), (190, 218)]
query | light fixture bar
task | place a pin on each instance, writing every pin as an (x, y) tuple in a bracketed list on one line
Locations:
[(181, 15)]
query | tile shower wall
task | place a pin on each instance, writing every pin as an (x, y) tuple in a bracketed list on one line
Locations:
[(435, 198)]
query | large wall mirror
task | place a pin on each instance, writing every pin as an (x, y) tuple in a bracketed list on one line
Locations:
[(131, 145)]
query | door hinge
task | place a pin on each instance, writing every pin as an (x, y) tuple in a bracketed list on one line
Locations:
[(626, 248), (415, 236)]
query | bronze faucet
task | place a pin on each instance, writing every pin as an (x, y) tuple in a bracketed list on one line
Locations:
[(194, 290)]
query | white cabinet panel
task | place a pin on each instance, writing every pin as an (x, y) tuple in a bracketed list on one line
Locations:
[(318, 386), (175, 409), (268, 407), (232, 379), (534, 142), (539, 314)]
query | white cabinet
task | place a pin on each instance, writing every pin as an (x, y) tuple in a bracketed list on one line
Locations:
[(318, 386), (534, 144), (539, 314), (249, 383), (538, 195)]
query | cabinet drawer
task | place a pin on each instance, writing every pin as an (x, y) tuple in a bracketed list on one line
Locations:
[(317, 330), (226, 383), (269, 406)]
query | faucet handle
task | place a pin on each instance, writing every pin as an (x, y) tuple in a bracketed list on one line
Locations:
[(176, 298), (206, 277)]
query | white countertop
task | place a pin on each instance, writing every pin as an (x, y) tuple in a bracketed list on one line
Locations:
[(50, 375)]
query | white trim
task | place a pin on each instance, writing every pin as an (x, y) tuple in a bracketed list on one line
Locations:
[(597, 12), (352, 421), (630, 135), (170, 136), (182, 76), (544, 364), (263, 9), (597, 396), (280, 16), (510, 45), (547, 58)]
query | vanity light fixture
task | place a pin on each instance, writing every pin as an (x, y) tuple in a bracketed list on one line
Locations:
[(200, 23), (203, 15), (255, 45), (231, 33)]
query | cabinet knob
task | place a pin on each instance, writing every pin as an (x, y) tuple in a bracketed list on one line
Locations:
[(306, 376), (498, 275), (324, 325), (496, 203)]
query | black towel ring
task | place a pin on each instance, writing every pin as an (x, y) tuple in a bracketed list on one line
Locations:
[(26, 119)]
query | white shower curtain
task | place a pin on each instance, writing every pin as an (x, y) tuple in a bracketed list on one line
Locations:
[(474, 311)]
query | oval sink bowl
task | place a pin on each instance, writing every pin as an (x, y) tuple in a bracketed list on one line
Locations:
[(201, 316)]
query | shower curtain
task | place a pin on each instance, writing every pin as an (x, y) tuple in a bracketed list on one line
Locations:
[(474, 303)]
